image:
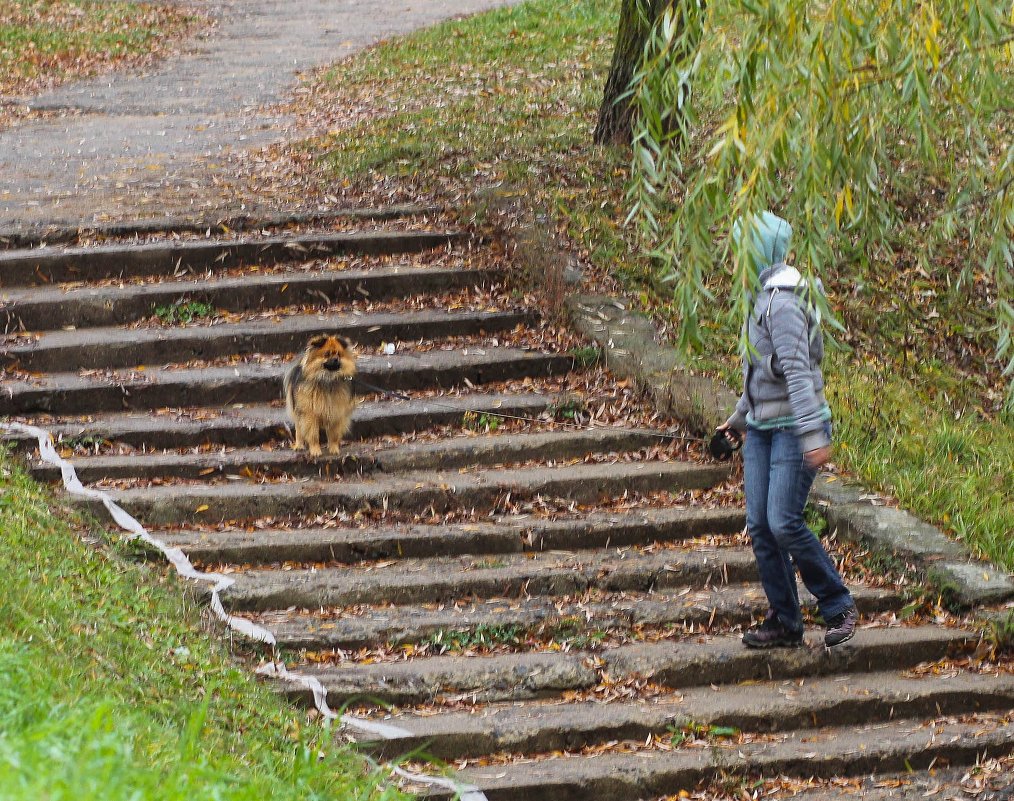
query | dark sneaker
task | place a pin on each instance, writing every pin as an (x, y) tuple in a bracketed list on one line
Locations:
[(772, 634), (841, 628)]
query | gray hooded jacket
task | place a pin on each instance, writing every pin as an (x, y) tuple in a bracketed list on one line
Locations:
[(782, 378)]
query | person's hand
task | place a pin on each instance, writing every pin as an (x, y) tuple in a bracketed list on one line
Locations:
[(815, 458), (731, 433)]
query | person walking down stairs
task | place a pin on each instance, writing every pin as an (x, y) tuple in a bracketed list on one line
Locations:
[(786, 423)]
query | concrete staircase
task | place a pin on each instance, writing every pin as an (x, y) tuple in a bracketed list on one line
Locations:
[(553, 607)]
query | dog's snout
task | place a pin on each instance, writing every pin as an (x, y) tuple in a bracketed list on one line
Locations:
[(333, 364)]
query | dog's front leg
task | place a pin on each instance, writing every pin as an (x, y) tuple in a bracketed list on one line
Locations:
[(312, 436), (334, 439)]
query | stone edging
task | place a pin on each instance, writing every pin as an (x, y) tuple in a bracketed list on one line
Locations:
[(630, 348)]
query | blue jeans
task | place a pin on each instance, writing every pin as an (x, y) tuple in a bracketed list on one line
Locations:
[(777, 481)]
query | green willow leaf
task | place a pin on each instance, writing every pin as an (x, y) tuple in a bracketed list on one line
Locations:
[(846, 117)]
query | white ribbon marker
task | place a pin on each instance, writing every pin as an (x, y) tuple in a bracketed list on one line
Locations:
[(218, 582)]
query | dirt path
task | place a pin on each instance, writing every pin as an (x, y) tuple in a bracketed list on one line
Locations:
[(126, 145)]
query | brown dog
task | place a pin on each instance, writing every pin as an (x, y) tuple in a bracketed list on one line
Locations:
[(318, 392)]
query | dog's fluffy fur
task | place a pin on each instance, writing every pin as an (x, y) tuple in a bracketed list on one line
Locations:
[(318, 392)]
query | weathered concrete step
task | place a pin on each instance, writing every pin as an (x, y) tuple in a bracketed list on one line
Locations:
[(259, 424), (899, 745), (48, 308), (639, 527), (754, 707), (443, 579), (690, 663), (437, 492), (43, 266), (728, 605), (56, 233), (92, 348), (358, 459), (72, 393)]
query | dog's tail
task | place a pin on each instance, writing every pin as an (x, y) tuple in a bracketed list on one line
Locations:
[(293, 377)]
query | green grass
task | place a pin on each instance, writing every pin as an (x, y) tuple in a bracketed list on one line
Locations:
[(112, 686), (482, 423), (183, 312), (46, 40), (509, 99), (482, 636)]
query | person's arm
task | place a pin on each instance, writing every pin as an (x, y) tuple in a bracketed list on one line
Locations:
[(790, 336), (737, 420)]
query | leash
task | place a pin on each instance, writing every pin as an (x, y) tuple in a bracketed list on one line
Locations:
[(219, 583)]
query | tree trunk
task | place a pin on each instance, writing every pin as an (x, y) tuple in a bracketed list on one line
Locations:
[(614, 125)]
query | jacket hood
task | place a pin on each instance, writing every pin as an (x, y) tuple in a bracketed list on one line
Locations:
[(770, 237), (780, 276)]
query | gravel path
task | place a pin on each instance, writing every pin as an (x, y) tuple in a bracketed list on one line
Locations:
[(125, 146)]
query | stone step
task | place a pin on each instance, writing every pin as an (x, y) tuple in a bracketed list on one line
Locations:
[(991, 779), (900, 745), (155, 388), (762, 707), (372, 626), (46, 266), (256, 424), (447, 579), (512, 535), (93, 348), (49, 308), (358, 459), (57, 233), (697, 661), (438, 493)]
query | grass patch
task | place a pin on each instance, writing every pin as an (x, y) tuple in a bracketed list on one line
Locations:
[(484, 635), (692, 731), (184, 311), (481, 422), (587, 357), (510, 98), (45, 41), (113, 688), (568, 409)]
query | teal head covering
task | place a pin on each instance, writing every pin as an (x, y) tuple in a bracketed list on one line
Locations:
[(770, 236)]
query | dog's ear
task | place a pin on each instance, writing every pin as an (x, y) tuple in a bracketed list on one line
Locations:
[(317, 341)]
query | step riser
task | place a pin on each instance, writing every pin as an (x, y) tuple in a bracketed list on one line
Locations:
[(350, 633), (263, 386), (846, 712), (784, 663), (246, 503), (541, 676), (110, 307), (369, 420), (69, 234), (51, 266), (353, 461), (182, 345), (666, 780), (376, 546), (562, 582)]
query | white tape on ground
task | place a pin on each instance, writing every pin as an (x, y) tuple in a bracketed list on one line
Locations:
[(185, 568)]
